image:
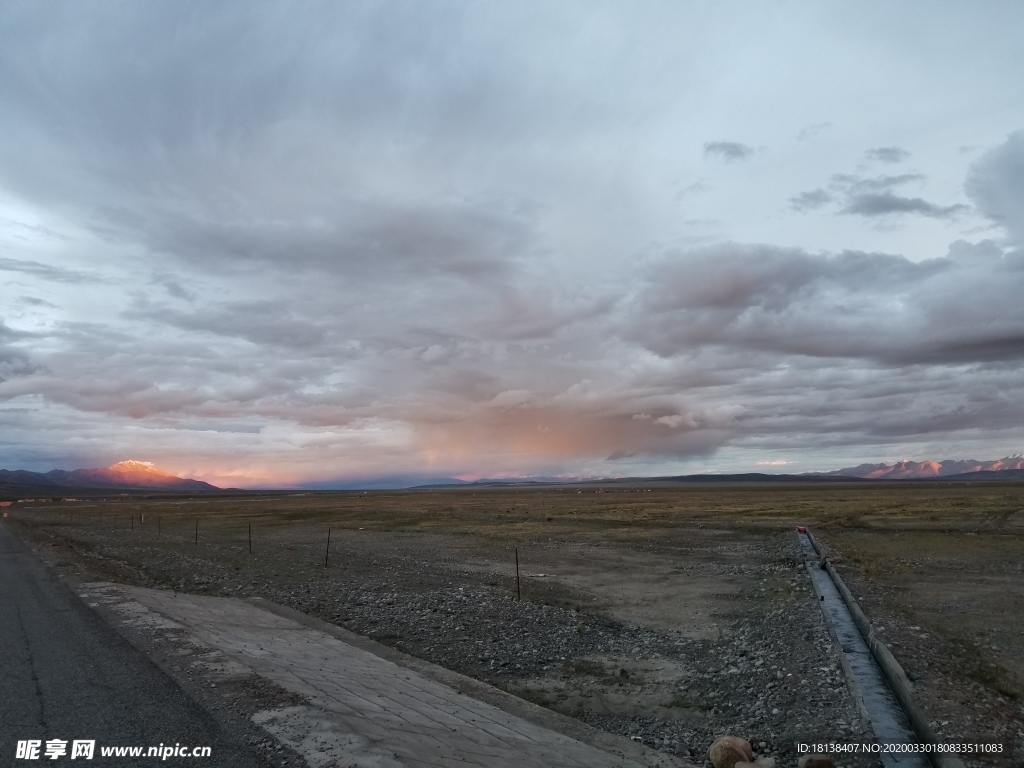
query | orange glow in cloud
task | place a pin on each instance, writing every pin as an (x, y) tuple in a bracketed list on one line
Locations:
[(525, 440), (224, 476)]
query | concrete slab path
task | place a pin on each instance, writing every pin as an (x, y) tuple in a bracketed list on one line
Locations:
[(365, 710)]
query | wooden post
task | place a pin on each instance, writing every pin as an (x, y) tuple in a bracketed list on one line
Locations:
[(519, 592), (133, 522), (327, 554), (158, 525), (197, 530), (250, 538)]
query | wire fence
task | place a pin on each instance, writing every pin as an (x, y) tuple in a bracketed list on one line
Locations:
[(321, 543)]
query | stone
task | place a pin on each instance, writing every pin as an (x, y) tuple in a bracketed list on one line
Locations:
[(727, 751), (765, 762), (815, 761)]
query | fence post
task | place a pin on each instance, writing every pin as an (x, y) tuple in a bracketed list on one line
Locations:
[(197, 530), (327, 554), (519, 593), (250, 538)]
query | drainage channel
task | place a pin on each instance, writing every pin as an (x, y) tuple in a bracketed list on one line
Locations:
[(887, 717)]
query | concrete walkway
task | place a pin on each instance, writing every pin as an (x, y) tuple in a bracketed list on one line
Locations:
[(365, 710)]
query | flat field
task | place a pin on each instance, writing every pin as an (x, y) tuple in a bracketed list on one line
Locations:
[(670, 613)]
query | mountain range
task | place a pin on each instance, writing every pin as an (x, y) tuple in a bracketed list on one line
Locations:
[(919, 470), (124, 475)]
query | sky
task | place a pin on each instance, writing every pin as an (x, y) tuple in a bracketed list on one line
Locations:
[(297, 243)]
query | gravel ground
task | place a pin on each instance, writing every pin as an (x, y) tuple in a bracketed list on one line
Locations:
[(771, 675)]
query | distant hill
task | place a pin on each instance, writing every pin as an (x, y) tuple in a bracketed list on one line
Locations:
[(380, 483), (1007, 469), (127, 475), (998, 474), (746, 477)]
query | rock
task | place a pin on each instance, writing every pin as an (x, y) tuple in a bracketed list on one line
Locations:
[(765, 762), (815, 761), (730, 750)]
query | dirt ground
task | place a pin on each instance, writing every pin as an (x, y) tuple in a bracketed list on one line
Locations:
[(671, 615)]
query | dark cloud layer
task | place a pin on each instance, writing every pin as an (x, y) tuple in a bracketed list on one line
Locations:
[(887, 154), (887, 203), (874, 307), (874, 196), (44, 271), (810, 200), (996, 184), (14, 361), (728, 150)]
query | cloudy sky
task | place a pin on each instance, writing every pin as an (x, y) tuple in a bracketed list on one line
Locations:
[(288, 242)]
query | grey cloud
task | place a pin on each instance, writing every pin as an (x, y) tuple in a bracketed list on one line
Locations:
[(14, 361), (366, 241), (173, 286), (272, 323), (34, 301), (996, 185), (219, 426), (887, 154), (728, 150), (695, 188), (128, 396), (880, 405), (520, 315), (807, 201), (150, 378), (874, 196), (856, 185), (8, 334), (873, 307), (299, 140), (975, 346), (811, 131), (45, 271), (886, 204)]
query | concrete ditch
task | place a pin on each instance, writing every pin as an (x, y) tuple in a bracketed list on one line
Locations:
[(899, 686)]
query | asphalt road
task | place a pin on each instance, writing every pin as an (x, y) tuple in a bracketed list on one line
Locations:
[(65, 674)]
